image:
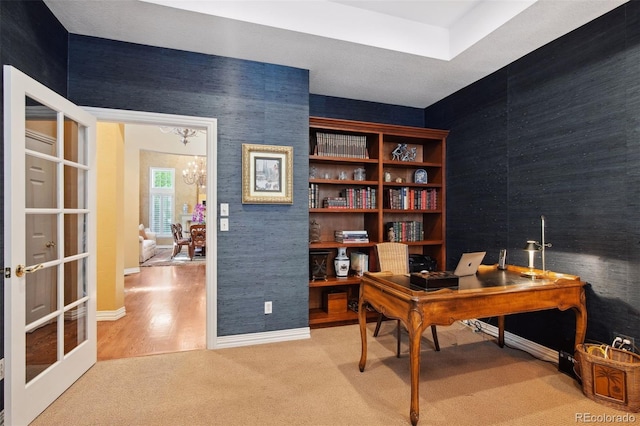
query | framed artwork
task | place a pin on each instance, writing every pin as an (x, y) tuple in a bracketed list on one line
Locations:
[(267, 174)]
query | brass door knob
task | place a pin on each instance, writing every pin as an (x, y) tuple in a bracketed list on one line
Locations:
[(21, 269)]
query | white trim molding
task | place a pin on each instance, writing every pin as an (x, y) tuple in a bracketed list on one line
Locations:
[(111, 315), (515, 341), (238, 340), (130, 271)]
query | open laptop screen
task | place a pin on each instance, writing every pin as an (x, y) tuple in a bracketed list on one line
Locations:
[(468, 264)]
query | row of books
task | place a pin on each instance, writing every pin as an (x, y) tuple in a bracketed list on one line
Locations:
[(314, 198), (351, 236), (404, 231), (410, 199), (340, 145), (360, 198), (350, 198)]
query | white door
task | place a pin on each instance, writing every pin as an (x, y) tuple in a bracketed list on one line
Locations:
[(49, 245)]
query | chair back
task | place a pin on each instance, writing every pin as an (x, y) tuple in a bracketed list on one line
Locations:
[(198, 235), (175, 233), (393, 257)]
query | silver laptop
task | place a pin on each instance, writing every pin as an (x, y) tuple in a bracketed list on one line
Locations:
[(468, 264)]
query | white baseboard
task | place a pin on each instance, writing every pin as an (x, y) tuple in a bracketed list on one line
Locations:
[(129, 271), (260, 338), (110, 315), (517, 342)]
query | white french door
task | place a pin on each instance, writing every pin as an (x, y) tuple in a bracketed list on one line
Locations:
[(49, 245)]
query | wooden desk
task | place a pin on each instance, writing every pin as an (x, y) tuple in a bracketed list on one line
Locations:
[(491, 292)]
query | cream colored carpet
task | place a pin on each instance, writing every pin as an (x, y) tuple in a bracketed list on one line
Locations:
[(471, 381)]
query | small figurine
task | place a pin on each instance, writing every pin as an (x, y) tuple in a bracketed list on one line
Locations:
[(391, 234), (314, 232), (396, 154), (403, 153)]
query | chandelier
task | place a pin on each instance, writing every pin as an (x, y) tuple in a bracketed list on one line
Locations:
[(184, 132), (196, 172)]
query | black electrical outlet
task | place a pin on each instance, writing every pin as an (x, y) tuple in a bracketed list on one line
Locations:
[(565, 363)]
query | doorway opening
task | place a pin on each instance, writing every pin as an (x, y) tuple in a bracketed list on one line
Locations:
[(141, 283)]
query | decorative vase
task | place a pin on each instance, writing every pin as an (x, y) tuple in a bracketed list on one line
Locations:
[(341, 263)]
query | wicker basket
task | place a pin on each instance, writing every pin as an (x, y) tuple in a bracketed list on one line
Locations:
[(609, 376)]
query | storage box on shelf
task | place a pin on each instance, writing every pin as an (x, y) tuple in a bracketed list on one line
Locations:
[(353, 167)]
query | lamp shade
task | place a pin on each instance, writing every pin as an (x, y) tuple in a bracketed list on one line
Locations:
[(531, 246)]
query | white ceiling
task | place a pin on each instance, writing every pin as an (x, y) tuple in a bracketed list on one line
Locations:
[(410, 53)]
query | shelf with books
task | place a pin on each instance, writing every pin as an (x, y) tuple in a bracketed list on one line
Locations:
[(364, 163)]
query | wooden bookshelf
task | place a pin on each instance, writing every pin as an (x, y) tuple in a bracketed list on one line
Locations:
[(427, 148)]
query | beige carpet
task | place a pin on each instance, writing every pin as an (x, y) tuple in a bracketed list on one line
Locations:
[(471, 381)]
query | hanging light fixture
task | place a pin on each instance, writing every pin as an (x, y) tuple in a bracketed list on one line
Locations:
[(184, 132), (196, 172)]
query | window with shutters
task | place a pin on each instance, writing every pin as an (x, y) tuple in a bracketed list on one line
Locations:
[(161, 200)]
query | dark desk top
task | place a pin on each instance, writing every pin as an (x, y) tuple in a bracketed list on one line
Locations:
[(488, 278)]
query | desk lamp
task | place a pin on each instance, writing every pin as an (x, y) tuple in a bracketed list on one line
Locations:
[(532, 247)]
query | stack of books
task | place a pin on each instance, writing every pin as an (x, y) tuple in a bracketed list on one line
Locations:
[(334, 203), (347, 237)]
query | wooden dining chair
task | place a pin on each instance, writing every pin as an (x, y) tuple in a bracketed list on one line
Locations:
[(394, 258), (198, 239), (178, 240)]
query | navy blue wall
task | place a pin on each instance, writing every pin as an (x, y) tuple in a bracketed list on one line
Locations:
[(33, 41), (555, 133), (349, 109), (264, 254)]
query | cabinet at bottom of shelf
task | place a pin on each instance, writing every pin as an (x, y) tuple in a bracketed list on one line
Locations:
[(319, 318)]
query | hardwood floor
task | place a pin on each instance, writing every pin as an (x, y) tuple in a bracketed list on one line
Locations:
[(165, 312)]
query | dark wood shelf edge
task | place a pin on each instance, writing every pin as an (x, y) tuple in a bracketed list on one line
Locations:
[(319, 318), (345, 160), (345, 210), (335, 282), (334, 244), (328, 245), (411, 211)]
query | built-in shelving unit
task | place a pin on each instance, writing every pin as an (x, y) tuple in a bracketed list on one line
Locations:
[(339, 151)]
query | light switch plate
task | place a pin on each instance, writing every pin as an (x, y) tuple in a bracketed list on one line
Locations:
[(224, 209), (224, 224)]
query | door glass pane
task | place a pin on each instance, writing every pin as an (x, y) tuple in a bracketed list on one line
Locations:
[(41, 128), (75, 327), (75, 226), (41, 291), (41, 238), (40, 183), (75, 188), (41, 349), (75, 142), (75, 280)]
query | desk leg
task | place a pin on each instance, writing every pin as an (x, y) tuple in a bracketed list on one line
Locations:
[(501, 331), (581, 319), (415, 334), (362, 320)]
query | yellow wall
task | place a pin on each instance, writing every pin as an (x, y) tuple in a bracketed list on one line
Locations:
[(110, 216)]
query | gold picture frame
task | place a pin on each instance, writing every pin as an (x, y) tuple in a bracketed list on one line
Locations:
[(267, 174)]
